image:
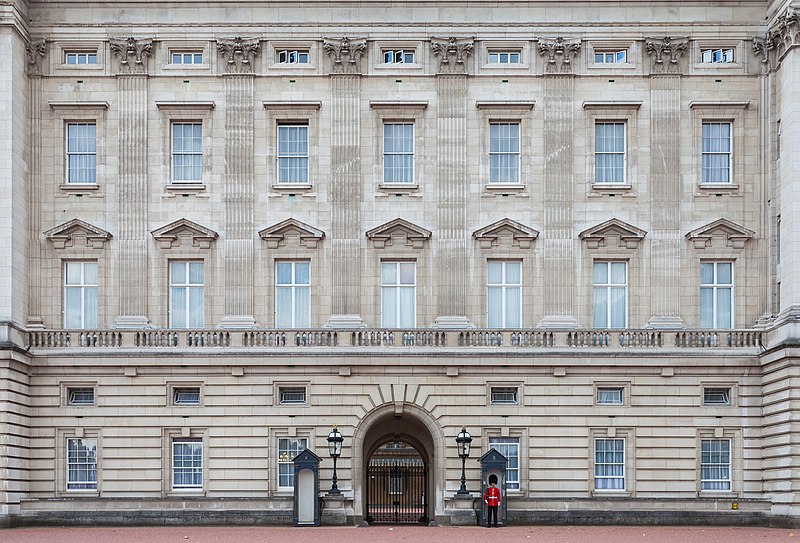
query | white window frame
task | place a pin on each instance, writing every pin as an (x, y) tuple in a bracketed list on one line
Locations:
[(292, 395), (494, 179), (703, 178), (74, 393), (505, 288), (619, 390), (291, 156), (195, 466), (624, 152), (86, 463), (82, 153), (82, 57), (597, 477), (178, 390), (184, 55), (715, 286), (505, 446), (396, 289), (402, 153), (84, 288), (196, 154), (717, 396), (294, 288), (614, 57), (285, 455), (504, 395), (504, 56), (292, 56), (399, 56), (717, 55), (189, 287), (708, 482), (609, 287)]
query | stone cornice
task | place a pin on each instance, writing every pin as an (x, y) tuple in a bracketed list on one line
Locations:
[(626, 235), (414, 236), (170, 235), (490, 235), (734, 235), (452, 53), (64, 235), (279, 234)]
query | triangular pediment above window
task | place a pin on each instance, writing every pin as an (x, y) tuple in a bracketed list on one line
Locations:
[(77, 233), (291, 232), (728, 233), (505, 231), (398, 233), (182, 231), (613, 231)]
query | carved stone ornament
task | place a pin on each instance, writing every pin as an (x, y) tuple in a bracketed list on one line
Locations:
[(345, 54), (665, 54), (559, 53), (401, 231), (626, 235), (77, 234), (239, 54), (34, 53), (172, 234), (506, 231), (782, 36), (732, 235), (132, 54), (452, 53), (291, 231)]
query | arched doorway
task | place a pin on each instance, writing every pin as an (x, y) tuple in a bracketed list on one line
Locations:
[(396, 485)]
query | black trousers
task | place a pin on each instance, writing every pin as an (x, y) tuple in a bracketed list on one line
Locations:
[(492, 510)]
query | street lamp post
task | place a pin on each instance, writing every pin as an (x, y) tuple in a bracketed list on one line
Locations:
[(335, 440), (463, 440)]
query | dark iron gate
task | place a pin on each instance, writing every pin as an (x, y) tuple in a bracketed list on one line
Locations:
[(396, 491)]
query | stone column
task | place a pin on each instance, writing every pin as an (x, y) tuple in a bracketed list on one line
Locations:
[(559, 239), (346, 192), (239, 196), (666, 238), (450, 249), (132, 201)]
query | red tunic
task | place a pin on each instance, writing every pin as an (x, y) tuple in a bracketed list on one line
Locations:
[(492, 496)]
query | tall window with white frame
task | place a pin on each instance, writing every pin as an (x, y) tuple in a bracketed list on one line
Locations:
[(82, 153), (187, 152), (610, 294), (288, 448), (398, 294), (609, 152), (609, 464), (508, 447), (80, 295), (186, 294), (81, 464), (504, 151), (717, 152), (716, 294), (293, 153), (187, 464), (715, 465), (292, 294), (398, 153), (504, 306)]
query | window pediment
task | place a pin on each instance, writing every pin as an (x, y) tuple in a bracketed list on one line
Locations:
[(604, 234), (731, 234), (173, 234), (517, 234), (398, 231), (291, 231), (70, 234)]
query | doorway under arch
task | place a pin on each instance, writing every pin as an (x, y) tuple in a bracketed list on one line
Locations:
[(396, 485)]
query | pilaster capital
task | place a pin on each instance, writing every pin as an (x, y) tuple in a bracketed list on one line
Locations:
[(132, 54), (666, 53), (239, 54), (345, 54), (559, 53), (35, 51), (452, 53), (783, 34)]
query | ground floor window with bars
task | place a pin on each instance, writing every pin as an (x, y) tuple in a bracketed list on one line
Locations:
[(609, 464), (715, 464), (187, 464)]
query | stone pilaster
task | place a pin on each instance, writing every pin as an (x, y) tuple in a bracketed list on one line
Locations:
[(35, 51), (559, 240)]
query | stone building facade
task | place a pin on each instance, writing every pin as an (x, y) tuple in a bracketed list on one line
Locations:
[(572, 228)]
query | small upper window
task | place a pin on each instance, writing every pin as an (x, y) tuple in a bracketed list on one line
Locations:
[(610, 396), (504, 57), (80, 57), (504, 395), (716, 56), (399, 56), (292, 57), (717, 396), (186, 396), (293, 395), (611, 57), (80, 396), (187, 57)]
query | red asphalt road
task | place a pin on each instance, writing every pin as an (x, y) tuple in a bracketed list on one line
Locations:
[(402, 534)]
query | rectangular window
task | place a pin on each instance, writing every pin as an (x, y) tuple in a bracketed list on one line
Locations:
[(717, 152), (717, 396), (504, 153), (293, 153), (186, 396), (186, 57), (504, 395), (504, 57), (398, 56), (715, 464), (292, 395), (508, 447), (611, 57), (292, 294), (287, 56), (716, 294), (716, 56), (187, 464), (288, 448), (609, 152), (80, 57), (609, 464), (398, 152), (610, 396), (610, 295), (505, 294), (81, 464), (80, 295), (82, 153), (80, 396), (187, 152), (398, 294), (186, 294)]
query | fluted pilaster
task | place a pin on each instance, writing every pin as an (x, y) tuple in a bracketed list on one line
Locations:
[(36, 241)]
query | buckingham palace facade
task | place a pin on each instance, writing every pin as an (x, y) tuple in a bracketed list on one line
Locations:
[(568, 228)]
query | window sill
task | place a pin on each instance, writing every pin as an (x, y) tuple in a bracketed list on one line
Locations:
[(185, 188), (199, 492), (80, 188), (504, 189), (398, 187), (94, 493), (598, 190), (292, 187), (707, 189), (611, 493)]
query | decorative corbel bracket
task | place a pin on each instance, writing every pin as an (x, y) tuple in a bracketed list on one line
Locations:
[(34, 53), (132, 54), (170, 235), (407, 233), (519, 235), (734, 235), (67, 234), (452, 53), (627, 235), (345, 54), (280, 234)]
